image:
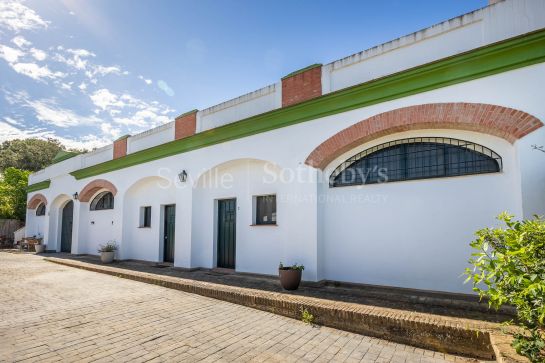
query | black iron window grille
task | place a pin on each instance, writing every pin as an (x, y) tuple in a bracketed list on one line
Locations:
[(40, 211), (416, 158), (103, 201)]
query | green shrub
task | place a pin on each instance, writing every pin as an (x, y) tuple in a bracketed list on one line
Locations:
[(306, 316), (509, 268)]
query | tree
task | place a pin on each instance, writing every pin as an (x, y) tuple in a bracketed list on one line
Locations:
[(509, 268), (13, 193), (28, 154)]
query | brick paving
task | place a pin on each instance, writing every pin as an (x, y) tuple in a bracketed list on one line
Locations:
[(50, 312)]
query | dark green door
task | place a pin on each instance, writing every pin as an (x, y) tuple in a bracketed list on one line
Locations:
[(170, 222), (227, 218), (66, 227)]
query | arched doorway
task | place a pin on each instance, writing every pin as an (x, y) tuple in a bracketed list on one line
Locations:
[(66, 227)]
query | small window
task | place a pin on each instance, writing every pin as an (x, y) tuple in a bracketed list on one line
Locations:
[(145, 217), (265, 209), (40, 211), (103, 201)]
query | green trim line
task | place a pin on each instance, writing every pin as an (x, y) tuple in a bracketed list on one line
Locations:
[(64, 155), (496, 58), (299, 71), (187, 113), (38, 186)]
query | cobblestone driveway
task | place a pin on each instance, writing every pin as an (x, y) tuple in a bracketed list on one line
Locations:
[(50, 312)]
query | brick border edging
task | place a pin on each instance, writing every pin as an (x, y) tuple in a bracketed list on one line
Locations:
[(463, 337)]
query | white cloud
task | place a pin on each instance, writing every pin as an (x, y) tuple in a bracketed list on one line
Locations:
[(163, 86), (21, 42), (16, 17), (50, 112), (36, 72), (75, 58), (12, 121), (38, 54), (104, 99), (110, 131), (82, 86), (9, 54), (9, 131), (148, 81), (91, 141)]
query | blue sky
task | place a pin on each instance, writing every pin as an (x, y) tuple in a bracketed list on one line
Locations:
[(87, 72)]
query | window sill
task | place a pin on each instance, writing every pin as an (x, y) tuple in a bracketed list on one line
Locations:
[(264, 225), (143, 227)]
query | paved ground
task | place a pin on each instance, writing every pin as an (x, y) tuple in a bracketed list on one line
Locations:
[(437, 303), (50, 312)]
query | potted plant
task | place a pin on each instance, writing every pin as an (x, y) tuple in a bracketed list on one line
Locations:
[(39, 247), (290, 276), (107, 252)]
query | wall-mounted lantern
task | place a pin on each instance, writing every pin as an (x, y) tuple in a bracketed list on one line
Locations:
[(183, 176), (76, 196)]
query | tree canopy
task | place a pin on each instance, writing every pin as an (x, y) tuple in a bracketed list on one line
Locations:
[(28, 154), (13, 184), (18, 158)]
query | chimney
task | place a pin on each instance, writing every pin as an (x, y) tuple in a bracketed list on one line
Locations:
[(120, 147), (302, 85), (185, 125)]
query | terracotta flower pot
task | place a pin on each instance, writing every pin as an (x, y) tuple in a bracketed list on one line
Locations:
[(107, 257), (39, 248), (290, 278)]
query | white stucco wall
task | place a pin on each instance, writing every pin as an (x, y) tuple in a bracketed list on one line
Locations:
[(146, 243), (414, 233)]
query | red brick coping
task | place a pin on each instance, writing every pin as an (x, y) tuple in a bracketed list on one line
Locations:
[(93, 187), (444, 334), (36, 200), (503, 122)]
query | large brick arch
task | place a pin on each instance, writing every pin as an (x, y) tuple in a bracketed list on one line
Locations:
[(503, 122), (36, 200), (93, 187)]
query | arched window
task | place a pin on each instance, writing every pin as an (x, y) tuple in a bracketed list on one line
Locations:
[(102, 201), (40, 211), (416, 158)]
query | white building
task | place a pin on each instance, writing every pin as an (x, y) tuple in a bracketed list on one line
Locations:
[(376, 168)]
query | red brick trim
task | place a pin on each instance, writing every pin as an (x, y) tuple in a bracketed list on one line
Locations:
[(120, 147), (36, 200), (302, 86), (185, 125), (503, 122), (93, 187)]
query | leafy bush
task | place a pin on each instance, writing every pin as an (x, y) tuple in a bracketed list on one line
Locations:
[(111, 246), (292, 267), (509, 268)]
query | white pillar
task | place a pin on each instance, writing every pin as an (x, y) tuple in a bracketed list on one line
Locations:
[(184, 220), (79, 226)]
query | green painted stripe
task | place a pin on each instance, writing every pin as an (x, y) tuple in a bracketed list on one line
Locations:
[(38, 186), (500, 57)]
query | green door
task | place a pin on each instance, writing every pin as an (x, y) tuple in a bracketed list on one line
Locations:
[(66, 227), (227, 218), (170, 222)]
